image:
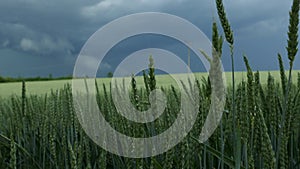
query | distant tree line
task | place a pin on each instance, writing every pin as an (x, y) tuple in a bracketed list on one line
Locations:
[(38, 78)]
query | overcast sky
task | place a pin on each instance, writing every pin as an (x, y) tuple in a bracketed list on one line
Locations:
[(42, 37)]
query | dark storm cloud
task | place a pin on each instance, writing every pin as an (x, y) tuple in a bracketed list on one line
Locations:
[(58, 28), (42, 27)]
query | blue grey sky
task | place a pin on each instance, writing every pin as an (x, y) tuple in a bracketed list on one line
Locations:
[(42, 37)]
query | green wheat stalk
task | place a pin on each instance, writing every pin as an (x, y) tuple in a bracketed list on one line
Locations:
[(292, 50)]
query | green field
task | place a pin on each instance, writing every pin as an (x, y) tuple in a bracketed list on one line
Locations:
[(42, 87), (45, 132)]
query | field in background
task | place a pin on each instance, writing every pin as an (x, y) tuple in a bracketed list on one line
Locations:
[(42, 87)]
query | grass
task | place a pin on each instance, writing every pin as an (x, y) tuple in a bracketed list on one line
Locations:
[(44, 132)]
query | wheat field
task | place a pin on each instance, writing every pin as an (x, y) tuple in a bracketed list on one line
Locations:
[(260, 126)]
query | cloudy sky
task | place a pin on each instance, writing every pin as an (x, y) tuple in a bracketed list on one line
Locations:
[(42, 37)]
